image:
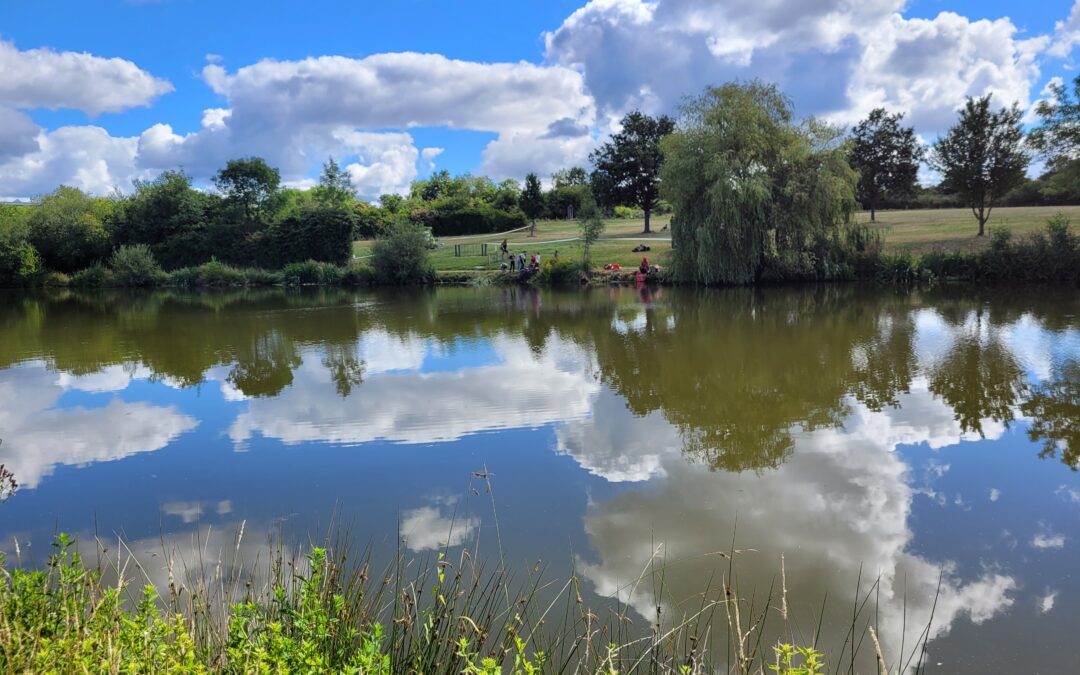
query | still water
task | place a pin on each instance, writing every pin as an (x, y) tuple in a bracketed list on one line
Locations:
[(901, 438)]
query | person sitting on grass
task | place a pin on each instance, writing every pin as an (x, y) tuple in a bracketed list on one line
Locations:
[(644, 267)]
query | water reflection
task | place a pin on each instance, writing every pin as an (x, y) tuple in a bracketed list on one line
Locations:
[(853, 431)]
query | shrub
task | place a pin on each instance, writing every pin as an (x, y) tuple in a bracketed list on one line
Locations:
[(95, 276), (55, 280), (19, 260), (218, 274), (628, 212), (558, 273), (358, 275), (69, 229), (401, 255), (311, 273), (448, 222), (134, 265), (322, 234)]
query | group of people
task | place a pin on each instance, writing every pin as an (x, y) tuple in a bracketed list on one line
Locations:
[(522, 262)]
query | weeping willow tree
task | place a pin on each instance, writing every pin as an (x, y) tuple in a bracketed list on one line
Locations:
[(750, 186)]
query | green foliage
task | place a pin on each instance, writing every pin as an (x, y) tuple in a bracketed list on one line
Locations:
[(95, 276), (249, 182), (628, 212), (335, 188), (559, 273), (63, 620), (324, 234), (886, 156), (134, 265), (19, 260), (792, 660), (449, 220), (400, 256), (532, 198), (1050, 257), (982, 157), (628, 166), (1057, 138), (592, 226), (311, 273), (748, 185), (70, 229), (170, 216), (215, 274)]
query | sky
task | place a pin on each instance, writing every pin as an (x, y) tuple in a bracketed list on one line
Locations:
[(98, 93)]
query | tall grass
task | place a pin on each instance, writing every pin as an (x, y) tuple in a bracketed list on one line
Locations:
[(332, 609)]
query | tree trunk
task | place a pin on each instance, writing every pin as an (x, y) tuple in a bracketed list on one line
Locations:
[(647, 213), (873, 214), (532, 230)]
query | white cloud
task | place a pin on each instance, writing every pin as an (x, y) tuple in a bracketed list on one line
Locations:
[(18, 134), (43, 78), (1047, 540), (430, 528), (1046, 602), (406, 406), (839, 58), (86, 157), (1066, 34), (38, 436), (995, 494), (295, 112)]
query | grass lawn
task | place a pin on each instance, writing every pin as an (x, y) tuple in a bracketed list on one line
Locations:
[(916, 231), (615, 245), (953, 229)]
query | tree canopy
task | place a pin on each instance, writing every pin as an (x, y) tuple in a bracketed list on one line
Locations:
[(628, 166), (982, 157), (748, 184), (886, 156), (1058, 136)]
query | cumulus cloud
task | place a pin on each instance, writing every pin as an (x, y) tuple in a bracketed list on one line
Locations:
[(38, 436), (838, 58), (845, 485), (43, 78), (18, 134), (521, 391), (430, 528), (86, 157), (1066, 34), (295, 112)]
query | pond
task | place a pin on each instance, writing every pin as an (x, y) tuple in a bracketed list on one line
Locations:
[(920, 447)]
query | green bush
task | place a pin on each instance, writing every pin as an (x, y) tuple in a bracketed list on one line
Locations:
[(358, 275), (628, 212), (311, 273), (401, 255), (70, 229), (95, 276), (19, 260), (322, 234), (55, 280), (558, 273), (134, 265), (451, 221), (218, 274)]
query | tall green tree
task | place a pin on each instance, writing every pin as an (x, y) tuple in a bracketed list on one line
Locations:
[(335, 187), (748, 184), (887, 157), (627, 167), (71, 229), (532, 200), (249, 183), (1058, 136), (592, 226), (982, 157)]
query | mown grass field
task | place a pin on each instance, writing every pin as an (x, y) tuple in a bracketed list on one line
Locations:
[(920, 231), (615, 245), (916, 231)]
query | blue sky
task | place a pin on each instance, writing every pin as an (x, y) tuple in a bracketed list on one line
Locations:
[(87, 88)]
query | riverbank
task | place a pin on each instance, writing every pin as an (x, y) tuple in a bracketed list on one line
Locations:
[(324, 611), (1050, 256)]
